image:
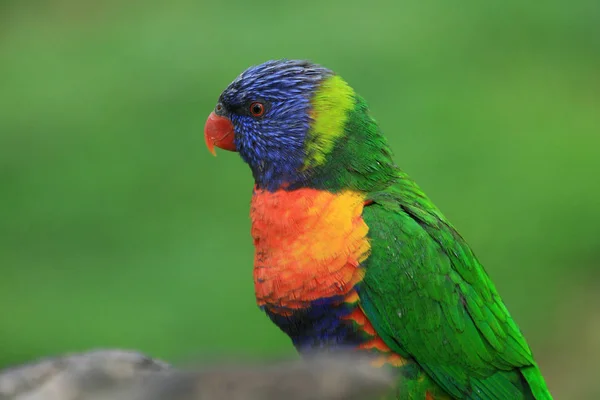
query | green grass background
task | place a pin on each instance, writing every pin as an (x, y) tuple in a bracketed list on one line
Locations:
[(118, 229)]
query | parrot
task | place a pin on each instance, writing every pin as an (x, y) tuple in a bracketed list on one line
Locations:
[(349, 252)]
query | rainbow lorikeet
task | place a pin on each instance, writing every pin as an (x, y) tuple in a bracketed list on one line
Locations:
[(349, 252)]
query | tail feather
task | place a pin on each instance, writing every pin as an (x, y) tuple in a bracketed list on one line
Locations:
[(536, 383)]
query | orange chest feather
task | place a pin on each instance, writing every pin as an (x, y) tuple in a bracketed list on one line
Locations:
[(308, 245)]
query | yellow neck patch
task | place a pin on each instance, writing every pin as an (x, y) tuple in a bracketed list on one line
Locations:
[(331, 105)]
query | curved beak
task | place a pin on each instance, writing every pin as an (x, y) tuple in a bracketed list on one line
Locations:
[(218, 131)]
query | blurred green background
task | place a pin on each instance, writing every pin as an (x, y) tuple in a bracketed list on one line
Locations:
[(118, 229)]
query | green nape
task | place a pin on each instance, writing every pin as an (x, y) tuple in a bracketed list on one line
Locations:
[(359, 158), (331, 105)]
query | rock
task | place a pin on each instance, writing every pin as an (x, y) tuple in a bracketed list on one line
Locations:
[(129, 375)]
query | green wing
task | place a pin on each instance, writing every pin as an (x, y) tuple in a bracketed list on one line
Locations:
[(430, 299)]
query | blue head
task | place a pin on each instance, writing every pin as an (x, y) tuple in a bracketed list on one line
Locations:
[(269, 106), (298, 124)]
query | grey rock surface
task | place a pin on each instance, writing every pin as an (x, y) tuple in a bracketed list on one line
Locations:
[(129, 375)]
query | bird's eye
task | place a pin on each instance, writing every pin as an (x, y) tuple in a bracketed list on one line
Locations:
[(257, 109)]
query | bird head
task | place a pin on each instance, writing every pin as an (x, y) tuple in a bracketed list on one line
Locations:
[(296, 124)]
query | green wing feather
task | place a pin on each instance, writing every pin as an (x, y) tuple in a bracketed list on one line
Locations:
[(430, 299)]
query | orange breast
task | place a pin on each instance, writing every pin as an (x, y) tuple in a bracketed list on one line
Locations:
[(308, 245)]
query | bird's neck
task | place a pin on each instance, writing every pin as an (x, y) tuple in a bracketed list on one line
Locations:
[(357, 157)]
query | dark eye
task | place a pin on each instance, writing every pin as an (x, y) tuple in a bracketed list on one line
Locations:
[(219, 107), (257, 109)]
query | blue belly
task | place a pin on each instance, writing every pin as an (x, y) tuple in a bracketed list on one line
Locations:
[(320, 326)]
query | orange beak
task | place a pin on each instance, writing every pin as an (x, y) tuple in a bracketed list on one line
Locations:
[(218, 131)]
